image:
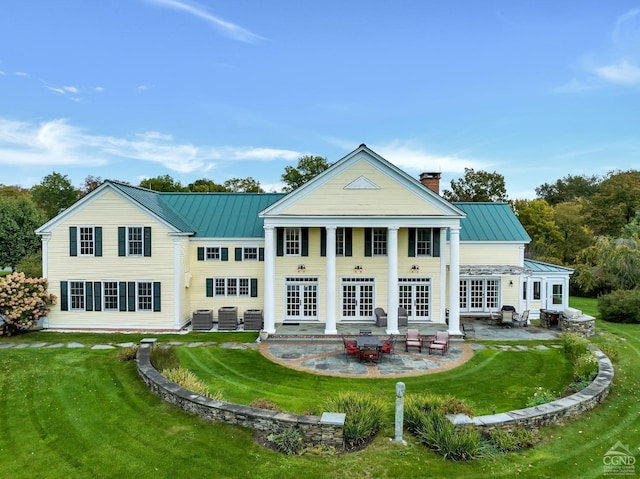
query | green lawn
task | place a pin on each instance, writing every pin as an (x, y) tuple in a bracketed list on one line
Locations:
[(80, 413)]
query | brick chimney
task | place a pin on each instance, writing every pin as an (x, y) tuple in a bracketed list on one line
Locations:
[(431, 181)]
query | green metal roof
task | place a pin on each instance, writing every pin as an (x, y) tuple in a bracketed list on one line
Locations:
[(540, 267), (152, 201), (222, 215), (490, 222)]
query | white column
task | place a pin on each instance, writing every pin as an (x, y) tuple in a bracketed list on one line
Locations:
[(443, 274), (269, 280), (392, 274), (178, 276), (330, 286), (454, 280), (45, 254)]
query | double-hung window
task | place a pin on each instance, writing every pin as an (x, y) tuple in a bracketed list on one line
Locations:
[(144, 296), (250, 254), (110, 295), (231, 286), (424, 241), (379, 241), (212, 253), (135, 241), (340, 249), (76, 295), (87, 240), (292, 241)]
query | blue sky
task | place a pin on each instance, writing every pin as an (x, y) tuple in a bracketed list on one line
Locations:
[(125, 89)]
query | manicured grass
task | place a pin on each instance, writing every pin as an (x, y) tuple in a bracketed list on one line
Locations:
[(81, 413)]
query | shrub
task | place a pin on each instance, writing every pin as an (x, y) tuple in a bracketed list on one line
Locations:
[(363, 416), (515, 439), (127, 354), (585, 367), (574, 345), (541, 396), (289, 441), (190, 381), (164, 358), (622, 306), (440, 434), (23, 301), (416, 406)]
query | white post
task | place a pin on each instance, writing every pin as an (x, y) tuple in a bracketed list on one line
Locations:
[(178, 277), (454, 281), (269, 280), (392, 274), (330, 305)]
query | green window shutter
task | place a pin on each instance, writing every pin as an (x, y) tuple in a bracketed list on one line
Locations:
[(280, 241), (200, 253), (304, 236), (73, 241), (254, 287), (368, 237), (156, 296), (97, 296), (238, 254), (412, 243), (98, 238), (64, 296), (348, 242), (122, 293), (260, 254), (209, 287), (131, 296), (436, 242), (122, 241), (147, 240), (323, 242), (224, 254), (88, 296)]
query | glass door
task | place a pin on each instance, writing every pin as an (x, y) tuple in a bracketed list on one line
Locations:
[(301, 298), (357, 298)]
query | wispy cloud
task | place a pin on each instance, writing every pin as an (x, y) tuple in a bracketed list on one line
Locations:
[(64, 90), (226, 28), (56, 142), (23, 74), (623, 72)]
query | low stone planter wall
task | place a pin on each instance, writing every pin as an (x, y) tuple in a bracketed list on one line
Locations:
[(584, 326), (554, 412), (326, 430)]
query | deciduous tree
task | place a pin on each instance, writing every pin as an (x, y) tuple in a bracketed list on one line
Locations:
[(243, 185), (54, 194), (19, 218), (161, 183), (477, 186), (616, 202), (537, 218), (568, 188), (309, 167)]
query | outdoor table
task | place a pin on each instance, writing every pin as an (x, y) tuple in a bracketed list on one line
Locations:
[(368, 343)]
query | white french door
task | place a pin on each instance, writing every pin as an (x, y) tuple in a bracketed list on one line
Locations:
[(301, 300), (415, 297), (358, 298)]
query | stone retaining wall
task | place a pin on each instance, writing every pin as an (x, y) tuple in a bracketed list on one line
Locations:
[(554, 412), (326, 430), (584, 326)]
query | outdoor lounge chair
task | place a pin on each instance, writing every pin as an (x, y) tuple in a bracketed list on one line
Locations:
[(467, 328), (381, 317), (413, 340), (442, 337), (437, 347), (521, 320), (403, 317)]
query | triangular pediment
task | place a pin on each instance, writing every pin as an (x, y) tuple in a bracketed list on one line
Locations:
[(363, 184)]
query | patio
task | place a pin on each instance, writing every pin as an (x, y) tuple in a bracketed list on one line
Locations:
[(305, 347)]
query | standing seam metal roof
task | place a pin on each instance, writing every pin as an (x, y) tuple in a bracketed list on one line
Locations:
[(490, 222)]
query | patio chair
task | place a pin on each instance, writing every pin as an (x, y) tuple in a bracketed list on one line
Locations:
[(442, 337), (365, 332), (507, 318), (413, 340), (521, 320), (494, 317), (403, 317), (350, 348), (437, 347), (467, 328), (381, 317), (388, 347), (370, 355)]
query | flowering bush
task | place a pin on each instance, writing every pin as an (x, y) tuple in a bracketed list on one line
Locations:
[(23, 301)]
